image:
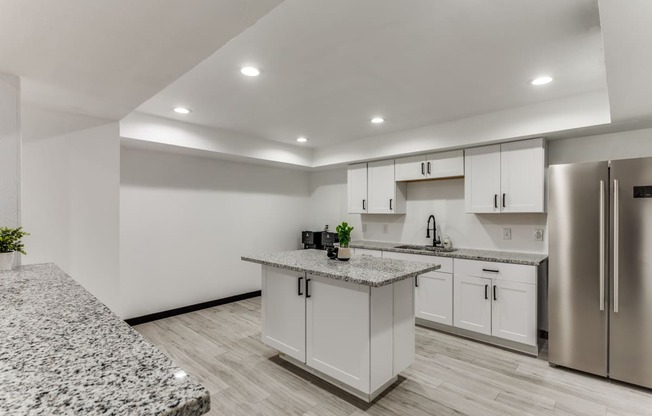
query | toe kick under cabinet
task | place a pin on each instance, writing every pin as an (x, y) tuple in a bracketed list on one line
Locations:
[(489, 301)]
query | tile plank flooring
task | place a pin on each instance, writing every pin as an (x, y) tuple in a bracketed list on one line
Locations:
[(221, 347)]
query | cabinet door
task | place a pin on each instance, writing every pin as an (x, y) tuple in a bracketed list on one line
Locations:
[(357, 188), (482, 179), (410, 168), (337, 342), (472, 303), (514, 311), (522, 176), (284, 311), (445, 165), (434, 297), (382, 187)]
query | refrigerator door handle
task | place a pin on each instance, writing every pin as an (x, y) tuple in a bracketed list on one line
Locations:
[(602, 244), (615, 242)]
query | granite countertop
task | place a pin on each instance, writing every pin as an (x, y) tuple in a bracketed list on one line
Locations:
[(366, 270), (63, 352), (530, 259)]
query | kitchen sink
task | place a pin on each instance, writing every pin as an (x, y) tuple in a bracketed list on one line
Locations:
[(426, 248)]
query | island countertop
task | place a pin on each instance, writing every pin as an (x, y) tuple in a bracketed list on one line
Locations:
[(63, 352), (365, 270)]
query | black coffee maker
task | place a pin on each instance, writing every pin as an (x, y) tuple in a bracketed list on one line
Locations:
[(320, 240)]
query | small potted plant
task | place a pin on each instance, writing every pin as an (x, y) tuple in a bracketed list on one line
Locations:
[(344, 235), (10, 243)]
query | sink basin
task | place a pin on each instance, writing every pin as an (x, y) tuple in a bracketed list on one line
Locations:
[(426, 248)]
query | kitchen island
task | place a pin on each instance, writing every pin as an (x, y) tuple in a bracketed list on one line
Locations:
[(350, 323), (63, 352)]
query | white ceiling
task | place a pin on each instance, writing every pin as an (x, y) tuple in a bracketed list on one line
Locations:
[(329, 66), (105, 57)]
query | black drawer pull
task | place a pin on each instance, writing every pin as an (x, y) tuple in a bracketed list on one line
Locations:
[(486, 296), (364, 208), (299, 286), (390, 204), (423, 172), (504, 200), (495, 297), (428, 168), (491, 270), (416, 281), (495, 200), (307, 288)]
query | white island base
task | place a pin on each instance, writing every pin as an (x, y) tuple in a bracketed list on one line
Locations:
[(355, 336)]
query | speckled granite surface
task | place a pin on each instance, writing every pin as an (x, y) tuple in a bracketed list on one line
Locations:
[(62, 352), (366, 270), (460, 253)]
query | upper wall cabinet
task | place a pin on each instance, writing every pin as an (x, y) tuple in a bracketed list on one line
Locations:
[(506, 177), (357, 188), (431, 166), (372, 189)]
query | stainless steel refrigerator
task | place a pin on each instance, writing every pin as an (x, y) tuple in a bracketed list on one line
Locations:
[(600, 268)]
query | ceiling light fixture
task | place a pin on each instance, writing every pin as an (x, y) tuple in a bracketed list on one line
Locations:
[(182, 110), (542, 80), (250, 71), (302, 139), (377, 120)]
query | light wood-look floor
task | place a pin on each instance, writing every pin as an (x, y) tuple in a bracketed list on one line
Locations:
[(451, 376)]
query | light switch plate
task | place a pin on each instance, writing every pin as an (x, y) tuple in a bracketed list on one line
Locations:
[(385, 228), (538, 234), (507, 233)]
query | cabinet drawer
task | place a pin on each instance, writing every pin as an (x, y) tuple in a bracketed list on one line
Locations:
[(445, 262), (504, 271)]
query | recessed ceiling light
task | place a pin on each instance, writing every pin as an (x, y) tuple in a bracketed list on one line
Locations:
[(181, 110), (377, 120), (542, 80), (302, 139), (250, 71)]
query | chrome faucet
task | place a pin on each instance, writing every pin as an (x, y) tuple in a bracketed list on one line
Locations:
[(435, 241)]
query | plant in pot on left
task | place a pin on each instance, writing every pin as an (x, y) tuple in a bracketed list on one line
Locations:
[(10, 243)]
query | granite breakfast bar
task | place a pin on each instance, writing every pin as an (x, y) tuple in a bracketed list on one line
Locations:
[(63, 352), (350, 323)]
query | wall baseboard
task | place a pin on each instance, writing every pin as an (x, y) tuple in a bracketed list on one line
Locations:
[(190, 308)]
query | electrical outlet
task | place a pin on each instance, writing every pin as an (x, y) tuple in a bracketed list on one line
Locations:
[(364, 228), (507, 233), (385, 228), (538, 234)]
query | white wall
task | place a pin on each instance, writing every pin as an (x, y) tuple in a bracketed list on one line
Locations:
[(185, 221), (70, 201), (9, 151), (625, 145), (444, 199)]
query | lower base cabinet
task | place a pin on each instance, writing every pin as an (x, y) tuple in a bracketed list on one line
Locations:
[(514, 314), (355, 335), (472, 309)]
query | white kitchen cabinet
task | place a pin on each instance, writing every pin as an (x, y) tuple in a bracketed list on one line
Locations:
[(514, 311), (472, 303), (522, 171), (508, 177), (284, 311), (386, 196), (337, 342), (430, 166), (357, 188), (433, 292)]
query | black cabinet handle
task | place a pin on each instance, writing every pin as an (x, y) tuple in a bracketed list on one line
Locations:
[(495, 297), (423, 172), (363, 204), (495, 200), (416, 281), (486, 295), (504, 200), (299, 286), (390, 204), (307, 288), (491, 270), (428, 168)]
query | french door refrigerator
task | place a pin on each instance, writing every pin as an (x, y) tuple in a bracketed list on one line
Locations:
[(600, 268)]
